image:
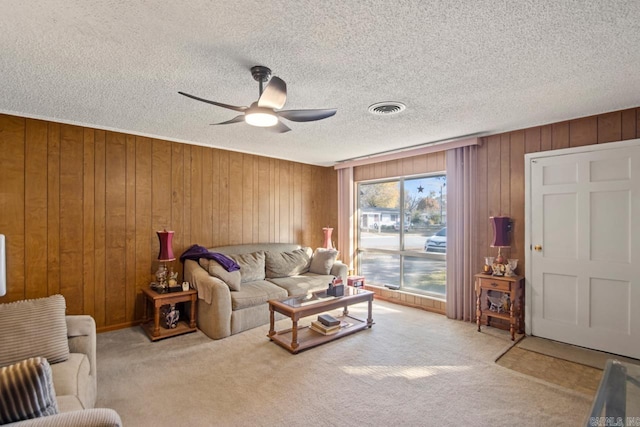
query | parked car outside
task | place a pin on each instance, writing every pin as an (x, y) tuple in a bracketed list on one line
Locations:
[(437, 242), (396, 226)]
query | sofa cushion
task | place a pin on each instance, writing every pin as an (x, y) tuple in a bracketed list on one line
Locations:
[(231, 278), (33, 328), (285, 264), (251, 266), (256, 293), (323, 260), (71, 378), (301, 285), (26, 391)]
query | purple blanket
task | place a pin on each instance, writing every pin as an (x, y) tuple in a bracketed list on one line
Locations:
[(196, 252)]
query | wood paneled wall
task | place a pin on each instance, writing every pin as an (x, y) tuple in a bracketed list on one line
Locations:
[(80, 208), (424, 163), (500, 181)]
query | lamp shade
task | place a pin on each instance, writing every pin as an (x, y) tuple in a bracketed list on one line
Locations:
[(166, 250), (500, 231)]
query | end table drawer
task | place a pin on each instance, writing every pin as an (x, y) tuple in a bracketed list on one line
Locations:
[(495, 283)]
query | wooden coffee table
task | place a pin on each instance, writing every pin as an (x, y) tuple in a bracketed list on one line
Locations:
[(300, 338)]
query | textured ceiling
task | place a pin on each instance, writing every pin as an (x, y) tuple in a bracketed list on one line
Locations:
[(461, 67)]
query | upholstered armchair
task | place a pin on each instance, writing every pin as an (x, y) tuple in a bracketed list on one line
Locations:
[(48, 366)]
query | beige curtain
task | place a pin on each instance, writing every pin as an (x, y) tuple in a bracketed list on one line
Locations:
[(461, 233), (346, 218)]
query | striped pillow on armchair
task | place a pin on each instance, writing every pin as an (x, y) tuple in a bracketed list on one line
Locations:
[(26, 391)]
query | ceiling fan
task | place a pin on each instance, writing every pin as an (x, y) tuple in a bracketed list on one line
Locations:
[(266, 110)]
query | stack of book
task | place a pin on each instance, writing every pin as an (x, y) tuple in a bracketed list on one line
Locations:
[(326, 324)]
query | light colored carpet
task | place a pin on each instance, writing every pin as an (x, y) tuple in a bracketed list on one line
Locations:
[(412, 368)]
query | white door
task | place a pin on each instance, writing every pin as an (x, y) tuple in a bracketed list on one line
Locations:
[(583, 284)]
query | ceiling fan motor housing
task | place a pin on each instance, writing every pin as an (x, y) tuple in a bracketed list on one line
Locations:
[(261, 73)]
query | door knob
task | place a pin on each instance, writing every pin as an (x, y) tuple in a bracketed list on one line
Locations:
[(537, 248)]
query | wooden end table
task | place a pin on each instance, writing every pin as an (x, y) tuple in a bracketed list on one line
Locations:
[(157, 300), (511, 286)]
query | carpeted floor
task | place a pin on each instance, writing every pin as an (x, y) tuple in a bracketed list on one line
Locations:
[(412, 368)]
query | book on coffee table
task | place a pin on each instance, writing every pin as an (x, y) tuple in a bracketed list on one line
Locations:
[(325, 330)]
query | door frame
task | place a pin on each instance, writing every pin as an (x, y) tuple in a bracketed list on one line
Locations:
[(528, 158)]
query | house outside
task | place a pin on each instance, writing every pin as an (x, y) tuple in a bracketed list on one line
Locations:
[(373, 218)]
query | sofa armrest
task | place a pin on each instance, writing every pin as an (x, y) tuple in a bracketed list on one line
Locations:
[(96, 417), (81, 333), (209, 288), (214, 300), (340, 270)]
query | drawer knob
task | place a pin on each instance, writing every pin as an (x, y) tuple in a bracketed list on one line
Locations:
[(494, 284), (537, 248)]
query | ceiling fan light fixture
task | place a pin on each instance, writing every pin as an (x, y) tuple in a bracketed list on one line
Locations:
[(260, 116)]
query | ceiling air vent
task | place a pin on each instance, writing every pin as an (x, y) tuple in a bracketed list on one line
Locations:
[(387, 108)]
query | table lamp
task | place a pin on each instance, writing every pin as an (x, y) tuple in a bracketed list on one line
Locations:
[(166, 255), (501, 227)]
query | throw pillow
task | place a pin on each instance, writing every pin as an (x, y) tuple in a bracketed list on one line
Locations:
[(231, 278), (26, 391), (286, 264), (34, 328), (251, 266), (323, 260)]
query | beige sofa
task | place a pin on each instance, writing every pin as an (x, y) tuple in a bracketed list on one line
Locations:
[(37, 336), (225, 308)]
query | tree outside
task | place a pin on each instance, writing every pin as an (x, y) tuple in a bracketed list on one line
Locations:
[(382, 195)]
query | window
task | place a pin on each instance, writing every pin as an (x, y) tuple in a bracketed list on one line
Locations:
[(402, 234)]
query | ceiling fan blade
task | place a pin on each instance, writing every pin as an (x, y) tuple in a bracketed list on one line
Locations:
[(236, 119), (279, 128), (219, 104), (306, 115), (274, 95)]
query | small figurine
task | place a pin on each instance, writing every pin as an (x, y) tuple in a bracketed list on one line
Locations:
[(161, 276), (173, 279), (498, 269)]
